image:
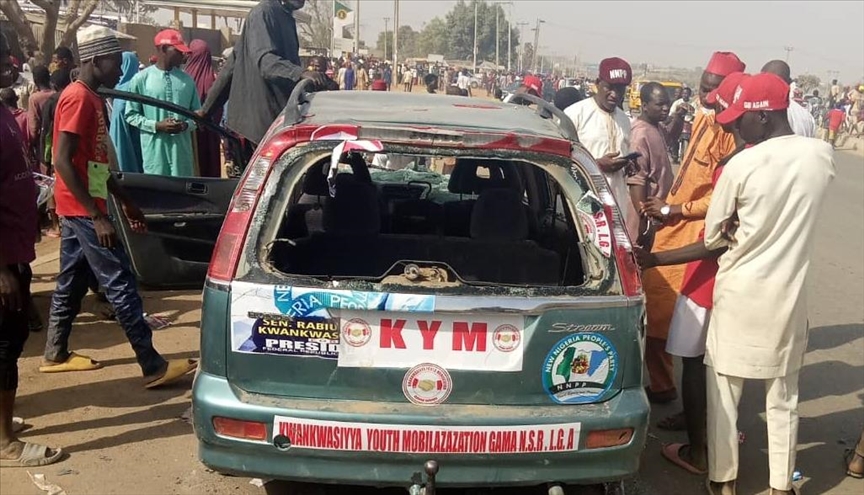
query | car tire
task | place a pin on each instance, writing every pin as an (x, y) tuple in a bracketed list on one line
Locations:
[(474, 85)]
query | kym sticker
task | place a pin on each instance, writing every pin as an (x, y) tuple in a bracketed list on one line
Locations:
[(580, 368), (427, 384)]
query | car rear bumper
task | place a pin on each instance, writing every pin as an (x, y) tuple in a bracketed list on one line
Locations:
[(214, 396)]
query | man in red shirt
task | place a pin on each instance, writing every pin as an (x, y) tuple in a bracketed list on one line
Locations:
[(18, 234), (835, 119), (83, 152)]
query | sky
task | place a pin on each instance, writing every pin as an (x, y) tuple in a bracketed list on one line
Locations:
[(823, 36)]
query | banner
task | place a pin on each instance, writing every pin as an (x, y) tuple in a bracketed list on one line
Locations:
[(343, 25)]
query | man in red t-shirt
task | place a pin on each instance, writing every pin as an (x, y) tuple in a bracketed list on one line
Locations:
[(17, 239), (689, 325), (82, 156), (835, 120)]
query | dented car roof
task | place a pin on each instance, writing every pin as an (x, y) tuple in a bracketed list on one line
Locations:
[(421, 110)]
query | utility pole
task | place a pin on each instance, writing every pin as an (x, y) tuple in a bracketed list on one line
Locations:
[(476, 4), (396, 43), (788, 51), (521, 26), (497, 42), (536, 44), (357, 28), (509, 37), (386, 22)]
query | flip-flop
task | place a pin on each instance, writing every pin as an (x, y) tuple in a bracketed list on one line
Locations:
[(33, 455), (850, 454), (712, 492), (75, 362), (18, 424), (175, 370), (676, 422), (672, 453)]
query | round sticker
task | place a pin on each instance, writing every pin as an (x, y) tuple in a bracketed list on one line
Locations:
[(427, 384), (506, 338), (580, 368), (356, 332)]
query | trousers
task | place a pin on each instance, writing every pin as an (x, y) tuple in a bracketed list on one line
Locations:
[(80, 251), (781, 408)]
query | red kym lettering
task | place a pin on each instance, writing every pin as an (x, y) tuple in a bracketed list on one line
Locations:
[(471, 339), (391, 334)]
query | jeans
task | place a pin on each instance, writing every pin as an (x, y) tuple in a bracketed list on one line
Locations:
[(79, 247), (14, 330)]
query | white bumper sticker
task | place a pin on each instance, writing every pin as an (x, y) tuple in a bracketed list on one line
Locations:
[(411, 439)]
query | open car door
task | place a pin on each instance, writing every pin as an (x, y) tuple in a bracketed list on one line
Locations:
[(184, 214)]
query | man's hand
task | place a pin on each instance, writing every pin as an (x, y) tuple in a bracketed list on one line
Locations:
[(170, 126), (318, 78), (200, 113), (645, 259), (610, 162), (10, 290), (652, 206), (136, 219), (104, 231), (683, 110)]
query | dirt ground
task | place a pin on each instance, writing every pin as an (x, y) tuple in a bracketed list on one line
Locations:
[(123, 439)]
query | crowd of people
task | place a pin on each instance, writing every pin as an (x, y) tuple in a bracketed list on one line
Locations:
[(744, 202)]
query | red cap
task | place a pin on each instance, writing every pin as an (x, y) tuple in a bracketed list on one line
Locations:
[(725, 93), (534, 84), (759, 93), (173, 38), (615, 71), (724, 63)]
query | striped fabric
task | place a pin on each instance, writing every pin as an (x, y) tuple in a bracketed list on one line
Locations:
[(95, 41)]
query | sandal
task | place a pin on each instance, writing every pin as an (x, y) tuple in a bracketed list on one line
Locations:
[(33, 455), (676, 422), (176, 369), (672, 452), (850, 455), (75, 362), (711, 491)]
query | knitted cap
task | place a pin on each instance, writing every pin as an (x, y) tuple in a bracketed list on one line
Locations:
[(95, 41)]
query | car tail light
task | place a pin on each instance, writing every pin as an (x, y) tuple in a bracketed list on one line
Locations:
[(236, 428), (229, 244), (628, 269), (600, 439)]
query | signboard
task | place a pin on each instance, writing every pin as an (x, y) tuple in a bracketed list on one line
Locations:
[(419, 439)]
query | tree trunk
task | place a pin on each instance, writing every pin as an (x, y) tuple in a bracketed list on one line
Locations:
[(49, 28), (73, 23), (18, 19)]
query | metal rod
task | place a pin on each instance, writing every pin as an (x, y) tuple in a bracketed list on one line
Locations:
[(476, 4)]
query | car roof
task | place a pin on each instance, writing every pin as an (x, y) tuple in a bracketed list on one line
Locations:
[(395, 109)]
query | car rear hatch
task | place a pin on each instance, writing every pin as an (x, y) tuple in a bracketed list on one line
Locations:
[(305, 337)]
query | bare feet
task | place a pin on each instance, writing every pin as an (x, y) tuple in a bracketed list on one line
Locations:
[(727, 488)]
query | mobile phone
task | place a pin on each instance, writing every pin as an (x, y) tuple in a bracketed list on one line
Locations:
[(633, 156)]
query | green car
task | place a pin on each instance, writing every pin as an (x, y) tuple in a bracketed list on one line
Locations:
[(406, 278)]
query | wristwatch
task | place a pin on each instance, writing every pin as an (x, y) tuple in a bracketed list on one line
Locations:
[(665, 211)]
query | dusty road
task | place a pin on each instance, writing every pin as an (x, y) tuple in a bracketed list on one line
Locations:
[(123, 439)]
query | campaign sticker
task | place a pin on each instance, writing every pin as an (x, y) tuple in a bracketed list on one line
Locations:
[(580, 368), (305, 336), (506, 338), (356, 332), (427, 384), (297, 301)]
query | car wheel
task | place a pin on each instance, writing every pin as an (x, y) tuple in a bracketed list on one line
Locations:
[(474, 85)]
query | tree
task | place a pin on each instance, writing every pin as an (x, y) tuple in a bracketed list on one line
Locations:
[(318, 33), (76, 14), (808, 82), (460, 31), (408, 46), (434, 38), (528, 56)]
